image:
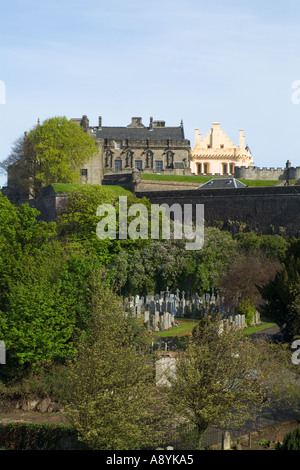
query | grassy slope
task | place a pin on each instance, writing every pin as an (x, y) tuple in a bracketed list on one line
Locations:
[(186, 326)]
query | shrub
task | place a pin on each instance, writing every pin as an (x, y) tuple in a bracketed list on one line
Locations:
[(247, 308), (291, 441)]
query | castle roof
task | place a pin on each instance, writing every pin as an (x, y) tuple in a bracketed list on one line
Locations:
[(141, 133), (136, 130)]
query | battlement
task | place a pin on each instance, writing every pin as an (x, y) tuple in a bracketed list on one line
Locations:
[(271, 173)]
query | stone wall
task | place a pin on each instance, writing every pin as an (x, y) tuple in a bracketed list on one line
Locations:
[(266, 210), (255, 173)]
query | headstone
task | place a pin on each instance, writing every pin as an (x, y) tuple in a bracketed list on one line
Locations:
[(152, 307)]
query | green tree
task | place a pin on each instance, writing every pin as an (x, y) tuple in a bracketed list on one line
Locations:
[(247, 308), (79, 220), (245, 274), (111, 397), (20, 234), (213, 259), (274, 246), (291, 441), (282, 294)]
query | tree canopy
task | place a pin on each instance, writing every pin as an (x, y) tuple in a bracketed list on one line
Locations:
[(224, 378), (110, 395), (51, 152), (282, 294)]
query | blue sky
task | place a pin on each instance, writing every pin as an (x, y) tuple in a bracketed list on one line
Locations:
[(230, 61)]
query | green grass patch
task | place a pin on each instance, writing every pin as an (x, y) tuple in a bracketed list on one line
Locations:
[(185, 327), (254, 329), (204, 179), (184, 178), (259, 183), (68, 187), (64, 187)]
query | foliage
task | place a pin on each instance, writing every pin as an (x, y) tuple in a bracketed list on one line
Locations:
[(290, 442), (247, 308), (283, 294), (20, 235), (213, 259), (33, 436), (274, 246), (60, 147), (79, 220), (44, 290), (167, 263), (111, 396), (50, 153), (247, 272)]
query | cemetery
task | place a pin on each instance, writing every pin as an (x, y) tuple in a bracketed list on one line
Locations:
[(160, 312)]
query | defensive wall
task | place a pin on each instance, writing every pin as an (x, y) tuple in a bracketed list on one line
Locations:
[(266, 210)]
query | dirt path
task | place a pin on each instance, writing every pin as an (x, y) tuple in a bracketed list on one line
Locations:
[(273, 434), (31, 417)]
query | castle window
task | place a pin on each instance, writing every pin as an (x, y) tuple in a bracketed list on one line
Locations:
[(199, 168), (158, 166), (231, 168), (118, 145), (84, 172), (208, 146), (138, 164), (118, 165), (205, 168), (221, 146), (224, 168)]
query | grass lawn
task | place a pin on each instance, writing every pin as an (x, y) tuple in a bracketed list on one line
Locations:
[(254, 329), (186, 326), (68, 187)]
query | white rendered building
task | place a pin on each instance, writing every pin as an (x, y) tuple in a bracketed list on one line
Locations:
[(216, 154)]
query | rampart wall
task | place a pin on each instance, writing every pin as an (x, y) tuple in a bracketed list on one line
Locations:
[(267, 210), (256, 173)]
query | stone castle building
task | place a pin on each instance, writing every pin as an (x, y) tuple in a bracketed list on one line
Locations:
[(154, 149), (216, 154)]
